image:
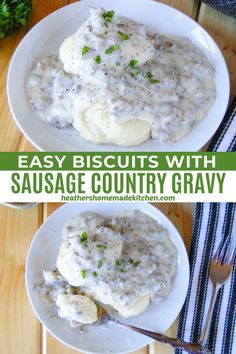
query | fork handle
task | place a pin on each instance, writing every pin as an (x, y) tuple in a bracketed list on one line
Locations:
[(204, 335), (192, 348)]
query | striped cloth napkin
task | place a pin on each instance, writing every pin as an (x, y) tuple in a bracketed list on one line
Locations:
[(212, 221)]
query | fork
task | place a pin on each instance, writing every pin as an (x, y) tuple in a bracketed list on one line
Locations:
[(220, 270), (193, 348)]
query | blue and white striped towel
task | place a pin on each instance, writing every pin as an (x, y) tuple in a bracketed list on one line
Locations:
[(212, 221)]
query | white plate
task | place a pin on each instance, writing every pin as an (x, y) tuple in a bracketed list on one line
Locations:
[(103, 338), (45, 39)]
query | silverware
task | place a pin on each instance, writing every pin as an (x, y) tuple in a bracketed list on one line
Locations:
[(193, 348), (220, 271)]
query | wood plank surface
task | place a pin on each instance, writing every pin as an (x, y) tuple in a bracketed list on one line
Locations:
[(20, 330), (52, 345), (189, 7), (11, 138), (220, 26), (181, 216), (223, 29)]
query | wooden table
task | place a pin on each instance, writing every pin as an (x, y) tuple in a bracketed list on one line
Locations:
[(21, 332)]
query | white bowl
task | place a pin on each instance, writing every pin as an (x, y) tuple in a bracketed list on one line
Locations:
[(45, 39), (103, 338)]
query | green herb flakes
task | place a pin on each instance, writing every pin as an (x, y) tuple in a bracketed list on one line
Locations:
[(133, 63), (149, 76), (84, 237), (101, 263), (85, 50), (94, 274), (102, 247), (135, 73), (108, 16), (83, 273), (123, 36), (98, 59), (122, 270), (118, 263), (133, 262), (111, 49)]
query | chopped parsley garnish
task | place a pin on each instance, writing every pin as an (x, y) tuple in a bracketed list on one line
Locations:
[(118, 263), (85, 50), (111, 49), (102, 247), (98, 59), (133, 63), (133, 262), (108, 16), (100, 263), (135, 73), (149, 76), (84, 238), (83, 273), (94, 274), (123, 36)]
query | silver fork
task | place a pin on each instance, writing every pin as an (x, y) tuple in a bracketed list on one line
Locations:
[(193, 348), (220, 271)]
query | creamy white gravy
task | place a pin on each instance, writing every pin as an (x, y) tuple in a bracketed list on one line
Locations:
[(166, 81), (51, 92)]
